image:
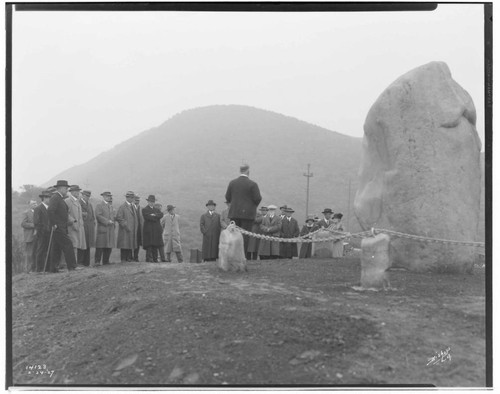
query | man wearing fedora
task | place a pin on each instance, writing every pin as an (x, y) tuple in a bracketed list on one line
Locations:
[(105, 239), (152, 231), (323, 248), (128, 222), (327, 218), (42, 227), (59, 221), (253, 242), (172, 234), (138, 209), (88, 228), (244, 196), (289, 229), (306, 247), (270, 226), (210, 228), (29, 236), (76, 229)]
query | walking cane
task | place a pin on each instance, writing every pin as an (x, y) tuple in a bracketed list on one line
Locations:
[(48, 250)]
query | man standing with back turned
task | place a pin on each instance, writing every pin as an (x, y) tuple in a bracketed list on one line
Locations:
[(244, 196)]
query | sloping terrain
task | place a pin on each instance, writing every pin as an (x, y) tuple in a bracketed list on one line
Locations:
[(285, 322)]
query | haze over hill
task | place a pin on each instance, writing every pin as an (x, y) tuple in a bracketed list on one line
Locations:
[(191, 157)]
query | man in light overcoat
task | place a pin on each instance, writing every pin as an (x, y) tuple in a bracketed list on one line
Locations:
[(172, 234), (29, 237), (105, 239), (76, 230), (126, 216), (271, 226)]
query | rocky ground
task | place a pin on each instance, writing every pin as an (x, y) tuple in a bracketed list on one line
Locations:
[(285, 322)]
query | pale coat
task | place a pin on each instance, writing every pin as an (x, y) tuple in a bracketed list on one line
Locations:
[(171, 233), (28, 226), (76, 231), (126, 216), (271, 227), (210, 228), (105, 230)]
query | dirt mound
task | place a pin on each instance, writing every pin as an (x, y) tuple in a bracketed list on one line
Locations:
[(284, 322)]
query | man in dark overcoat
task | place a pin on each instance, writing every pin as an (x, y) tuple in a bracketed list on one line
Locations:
[(88, 228), (152, 237), (210, 228), (289, 229), (244, 196), (137, 201), (42, 227), (105, 239), (59, 218), (128, 221)]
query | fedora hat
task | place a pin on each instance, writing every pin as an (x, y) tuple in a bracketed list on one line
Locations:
[(45, 194), (310, 219), (210, 202), (285, 207), (263, 209), (61, 183), (74, 188), (106, 194), (289, 210), (327, 210), (151, 198), (170, 207), (86, 193)]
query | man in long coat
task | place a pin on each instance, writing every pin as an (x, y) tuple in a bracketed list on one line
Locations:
[(306, 247), (271, 226), (76, 230), (210, 228), (138, 209), (172, 234), (126, 216), (29, 236), (254, 242), (88, 228), (59, 221), (289, 229), (323, 248), (152, 231), (105, 239), (244, 196), (42, 227)]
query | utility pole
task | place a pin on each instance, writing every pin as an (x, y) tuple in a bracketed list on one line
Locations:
[(308, 175)]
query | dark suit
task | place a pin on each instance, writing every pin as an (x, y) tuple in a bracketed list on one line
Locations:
[(289, 229), (58, 216), (152, 233), (42, 226), (210, 228), (244, 196)]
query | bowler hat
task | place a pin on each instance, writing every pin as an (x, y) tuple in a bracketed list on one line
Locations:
[(170, 207), (74, 188), (130, 194), (61, 183), (210, 202), (338, 216), (327, 210), (87, 193), (106, 194), (151, 198), (45, 193)]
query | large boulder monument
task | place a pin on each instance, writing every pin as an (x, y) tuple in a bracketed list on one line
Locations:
[(420, 172)]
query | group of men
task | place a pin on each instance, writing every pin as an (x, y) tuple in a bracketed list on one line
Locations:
[(67, 225), (242, 199)]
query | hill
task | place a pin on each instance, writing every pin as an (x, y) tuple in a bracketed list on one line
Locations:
[(191, 157)]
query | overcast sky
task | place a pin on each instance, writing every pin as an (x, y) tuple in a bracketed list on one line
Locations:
[(85, 81)]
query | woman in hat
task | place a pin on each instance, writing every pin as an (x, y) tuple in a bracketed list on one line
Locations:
[(210, 228), (254, 242), (289, 229), (306, 247), (271, 226), (338, 245)]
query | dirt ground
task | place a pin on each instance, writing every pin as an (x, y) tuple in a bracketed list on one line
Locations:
[(285, 322)]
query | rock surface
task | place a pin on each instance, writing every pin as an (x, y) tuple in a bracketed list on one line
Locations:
[(420, 172), (375, 262)]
